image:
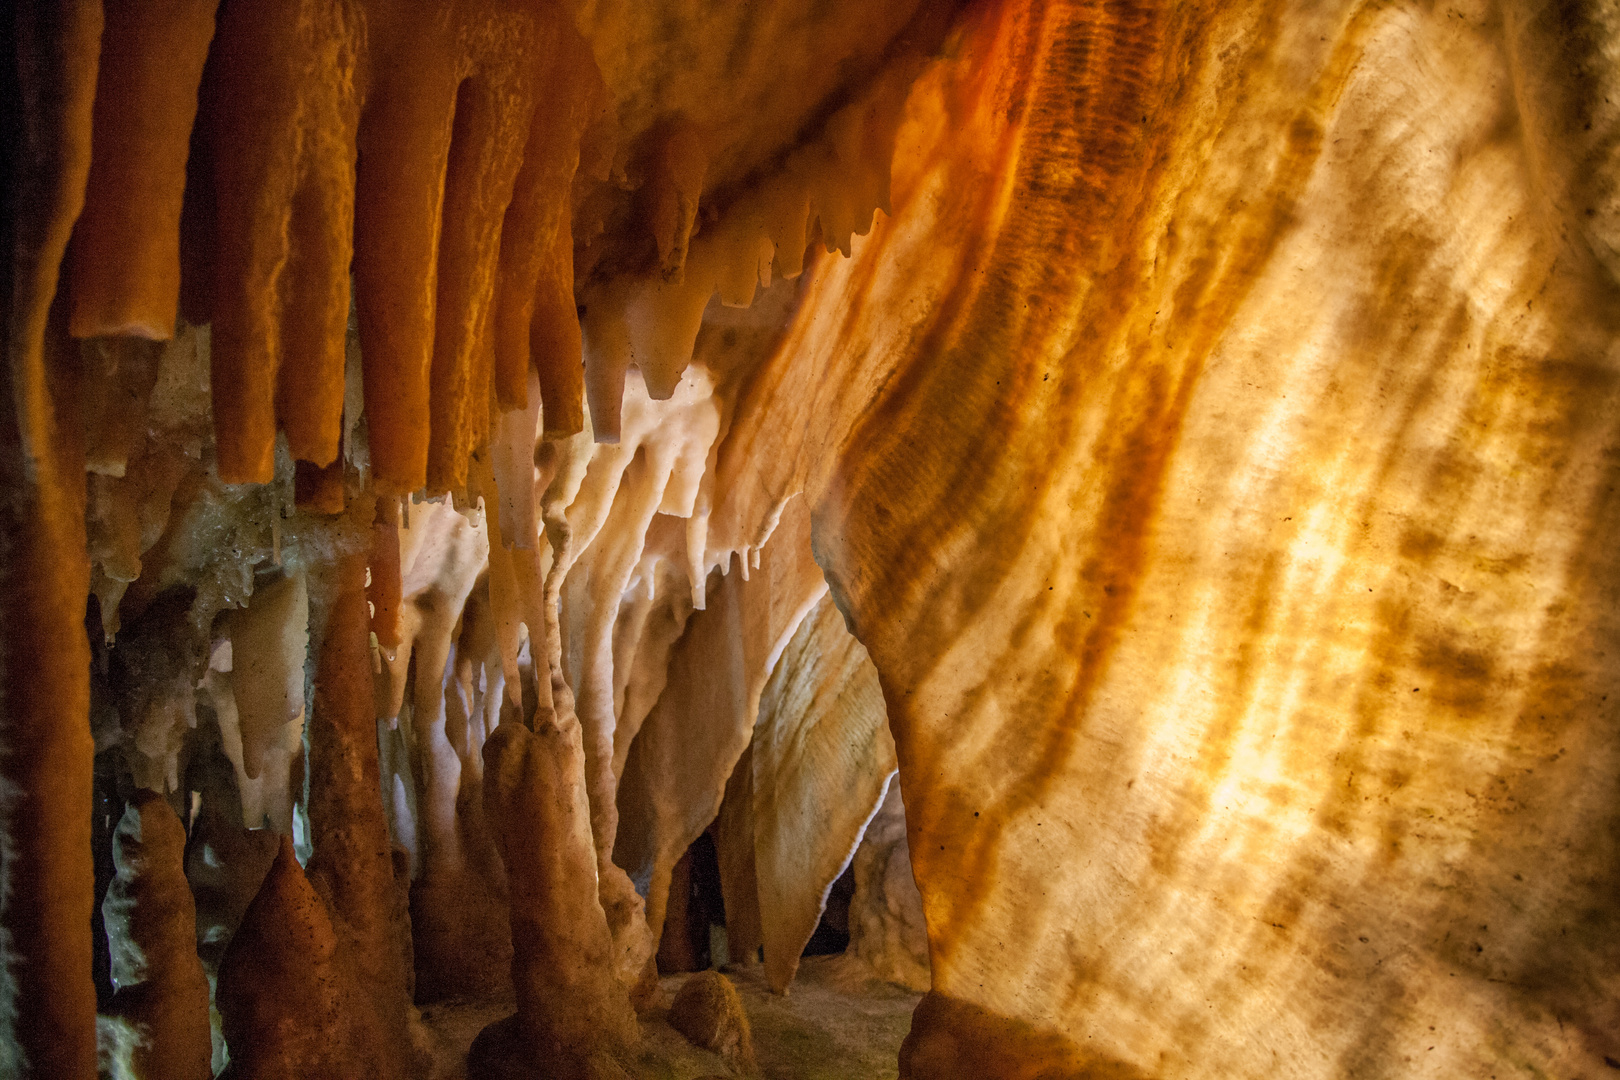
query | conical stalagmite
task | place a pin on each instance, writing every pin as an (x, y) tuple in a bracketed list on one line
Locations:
[(352, 866), (157, 1022), (286, 1000), (571, 1005)]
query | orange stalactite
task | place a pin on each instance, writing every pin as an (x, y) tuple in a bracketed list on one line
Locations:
[(534, 305), (124, 276)]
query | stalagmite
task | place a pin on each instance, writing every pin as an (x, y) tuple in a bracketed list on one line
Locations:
[(157, 1022), (47, 1000), (352, 867), (288, 1002), (571, 1005)]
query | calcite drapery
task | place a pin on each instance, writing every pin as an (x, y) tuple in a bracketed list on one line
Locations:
[(675, 776), (1228, 544), (821, 758)]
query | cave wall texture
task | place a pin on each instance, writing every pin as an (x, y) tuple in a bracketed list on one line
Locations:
[(1194, 426)]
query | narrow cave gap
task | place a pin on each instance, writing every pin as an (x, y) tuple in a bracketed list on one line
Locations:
[(697, 909), (831, 937)]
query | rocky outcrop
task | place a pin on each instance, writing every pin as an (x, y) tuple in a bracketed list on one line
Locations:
[(708, 1011)]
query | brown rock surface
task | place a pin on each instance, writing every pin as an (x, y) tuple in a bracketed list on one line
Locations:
[(159, 1008), (571, 1005), (708, 1011)]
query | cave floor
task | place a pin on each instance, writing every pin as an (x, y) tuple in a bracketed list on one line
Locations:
[(836, 1022)]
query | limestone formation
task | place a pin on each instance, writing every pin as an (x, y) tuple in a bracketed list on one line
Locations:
[(886, 926), (571, 1004), (506, 440), (287, 1001), (822, 755), (675, 776), (158, 1016), (708, 1011)]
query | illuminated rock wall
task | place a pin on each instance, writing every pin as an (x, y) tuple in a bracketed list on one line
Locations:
[(1233, 537)]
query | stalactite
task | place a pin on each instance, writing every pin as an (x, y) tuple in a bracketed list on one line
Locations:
[(154, 678), (149, 450), (534, 320), (119, 373), (680, 159), (124, 275), (269, 643), (493, 109), (282, 105), (649, 625)]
